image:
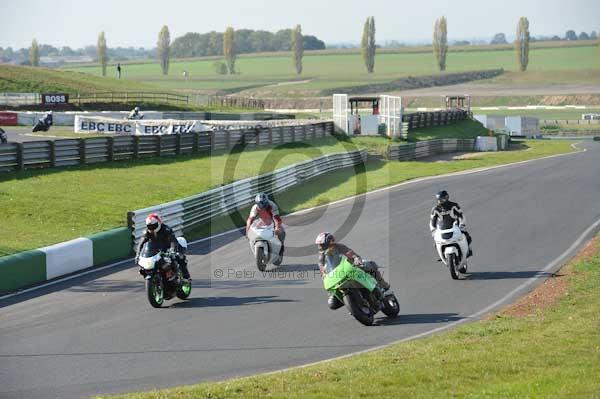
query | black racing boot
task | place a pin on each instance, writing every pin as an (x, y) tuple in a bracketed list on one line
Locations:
[(184, 269), (280, 260)]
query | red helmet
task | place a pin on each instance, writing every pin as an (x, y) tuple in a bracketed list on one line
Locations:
[(153, 222), (324, 240)]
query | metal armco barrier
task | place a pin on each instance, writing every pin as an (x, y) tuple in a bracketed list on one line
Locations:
[(185, 214), (70, 152), (428, 148)]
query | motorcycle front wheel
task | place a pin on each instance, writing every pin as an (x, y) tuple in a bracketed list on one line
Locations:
[(453, 266), (359, 307), (261, 261), (155, 291)]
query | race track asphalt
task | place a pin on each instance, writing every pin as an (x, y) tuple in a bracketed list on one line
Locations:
[(97, 334)]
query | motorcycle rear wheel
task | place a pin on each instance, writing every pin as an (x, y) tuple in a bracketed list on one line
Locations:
[(184, 289), (391, 306)]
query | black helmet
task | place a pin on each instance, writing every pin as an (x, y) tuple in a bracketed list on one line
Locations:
[(261, 200), (442, 196), (324, 240)]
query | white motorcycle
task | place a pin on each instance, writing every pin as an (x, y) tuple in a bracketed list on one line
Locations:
[(452, 247), (265, 244)]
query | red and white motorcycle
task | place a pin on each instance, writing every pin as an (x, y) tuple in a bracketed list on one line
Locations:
[(264, 244)]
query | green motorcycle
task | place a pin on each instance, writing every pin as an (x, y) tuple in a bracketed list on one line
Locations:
[(358, 290)]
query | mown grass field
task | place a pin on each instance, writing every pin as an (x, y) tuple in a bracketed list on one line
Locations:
[(552, 352), (327, 71)]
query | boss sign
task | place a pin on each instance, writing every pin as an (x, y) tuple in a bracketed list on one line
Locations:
[(55, 98)]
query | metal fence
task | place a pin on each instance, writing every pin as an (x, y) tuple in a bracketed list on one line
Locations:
[(428, 148), (69, 152), (128, 97), (188, 213), (570, 122), (16, 99), (236, 102), (437, 118)]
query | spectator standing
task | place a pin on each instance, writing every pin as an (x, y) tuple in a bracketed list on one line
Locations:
[(119, 70)]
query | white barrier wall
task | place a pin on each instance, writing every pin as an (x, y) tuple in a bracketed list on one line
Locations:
[(485, 143), (94, 124), (68, 257), (68, 118)]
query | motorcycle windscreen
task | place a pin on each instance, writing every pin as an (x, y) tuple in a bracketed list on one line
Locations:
[(258, 223), (150, 249), (445, 223), (346, 271)]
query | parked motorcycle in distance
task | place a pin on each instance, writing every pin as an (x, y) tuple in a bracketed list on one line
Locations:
[(164, 279), (358, 290), (452, 247), (264, 244)]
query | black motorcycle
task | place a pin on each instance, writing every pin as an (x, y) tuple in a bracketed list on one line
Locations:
[(164, 279), (41, 126), (3, 138)]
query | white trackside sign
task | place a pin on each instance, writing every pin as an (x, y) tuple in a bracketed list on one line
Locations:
[(94, 124)]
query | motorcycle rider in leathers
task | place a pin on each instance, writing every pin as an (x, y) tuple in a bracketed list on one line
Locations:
[(446, 212)]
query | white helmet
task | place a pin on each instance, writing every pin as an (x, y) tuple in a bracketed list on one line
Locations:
[(136, 109), (153, 223)]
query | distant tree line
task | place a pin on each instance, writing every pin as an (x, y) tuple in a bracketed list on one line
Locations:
[(21, 56), (246, 41), (500, 38)]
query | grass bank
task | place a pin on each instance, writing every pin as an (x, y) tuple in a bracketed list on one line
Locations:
[(40, 80), (548, 351)]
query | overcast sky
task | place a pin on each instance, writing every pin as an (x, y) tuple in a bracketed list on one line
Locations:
[(76, 23)]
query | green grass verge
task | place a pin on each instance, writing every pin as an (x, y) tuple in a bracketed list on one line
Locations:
[(553, 353)]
